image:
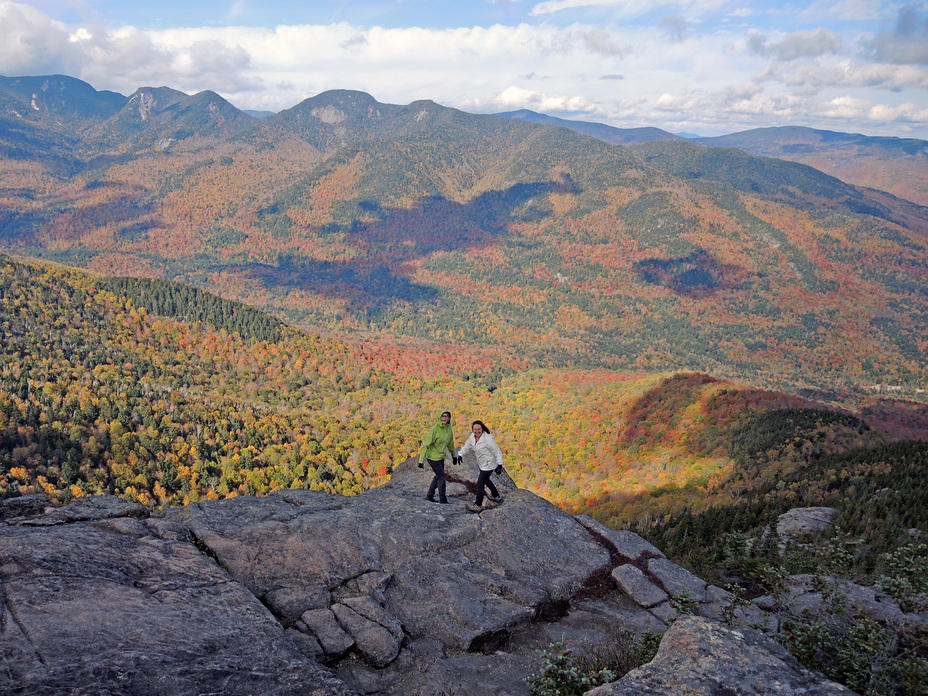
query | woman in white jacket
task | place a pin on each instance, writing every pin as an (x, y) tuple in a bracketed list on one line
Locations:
[(489, 459)]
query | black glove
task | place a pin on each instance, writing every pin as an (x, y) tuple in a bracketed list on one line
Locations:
[(421, 465), (459, 460), (499, 470)]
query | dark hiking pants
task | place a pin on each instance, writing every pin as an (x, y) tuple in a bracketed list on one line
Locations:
[(438, 481), (484, 480)]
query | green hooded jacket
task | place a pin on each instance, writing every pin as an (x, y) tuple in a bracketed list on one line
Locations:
[(437, 441)]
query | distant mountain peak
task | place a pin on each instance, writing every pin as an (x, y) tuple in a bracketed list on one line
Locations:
[(162, 115), (523, 114), (55, 96), (601, 131), (345, 98)]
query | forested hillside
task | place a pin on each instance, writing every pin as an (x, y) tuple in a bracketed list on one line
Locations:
[(878, 491), (163, 394), (418, 221)]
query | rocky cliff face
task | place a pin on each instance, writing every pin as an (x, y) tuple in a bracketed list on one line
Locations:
[(309, 593)]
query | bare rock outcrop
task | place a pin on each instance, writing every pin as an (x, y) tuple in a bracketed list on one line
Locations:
[(698, 657), (421, 569), (795, 523), (808, 592), (303, 592), (660, 587), (131, 606)]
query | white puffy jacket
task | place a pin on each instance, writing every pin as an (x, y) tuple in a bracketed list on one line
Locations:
[(489, 455)]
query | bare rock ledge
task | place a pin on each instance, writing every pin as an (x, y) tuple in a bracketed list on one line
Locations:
[(308, 593)]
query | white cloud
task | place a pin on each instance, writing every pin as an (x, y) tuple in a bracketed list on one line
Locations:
[(906, 41), (31, 43), (566, 41), (891, 77), (629, 8), (213, 63), (912, 113), (401, 65), (514, 98), (551, 6), (132, 59), (675, 28), (799, 44), (812, 77), (236, 9), (628, 74), (847, 10), (864, 111), (355, 42), (122, 59), (598, 41)]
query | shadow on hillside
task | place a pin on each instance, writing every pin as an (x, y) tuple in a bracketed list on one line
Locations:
[(126, 211), (18, 227), (388, 243), (373, 287), (663, 403), (698, 274)]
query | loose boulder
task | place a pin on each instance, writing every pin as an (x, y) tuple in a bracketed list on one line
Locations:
[(797, 522), (698, 657)]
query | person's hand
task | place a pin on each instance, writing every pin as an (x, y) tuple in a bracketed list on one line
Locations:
[(459, 460), (499, 470), (421, 465)]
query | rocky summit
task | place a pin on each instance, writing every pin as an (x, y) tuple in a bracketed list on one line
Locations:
[(301, 592)]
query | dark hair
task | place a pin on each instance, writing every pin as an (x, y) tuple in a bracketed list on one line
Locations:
[(443, 413), (481, 424)]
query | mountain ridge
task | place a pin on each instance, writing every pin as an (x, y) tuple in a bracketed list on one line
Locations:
[(425, 221), (896, 165), (60, 95), (610, 134)]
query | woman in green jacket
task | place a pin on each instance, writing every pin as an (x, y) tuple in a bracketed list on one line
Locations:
[(439, 440)]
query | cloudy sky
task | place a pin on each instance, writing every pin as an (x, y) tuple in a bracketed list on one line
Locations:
[(693, 66)]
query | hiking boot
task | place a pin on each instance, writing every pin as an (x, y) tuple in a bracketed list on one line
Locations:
[(470, 507), (430, 499), (498, 498), (491, 503)]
